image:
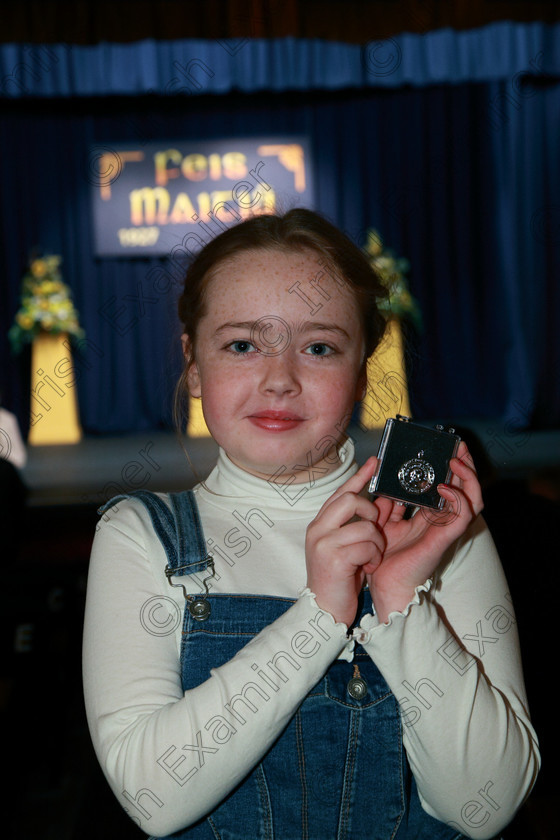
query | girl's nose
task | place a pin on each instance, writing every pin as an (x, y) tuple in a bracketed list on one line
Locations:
[(279, 375)]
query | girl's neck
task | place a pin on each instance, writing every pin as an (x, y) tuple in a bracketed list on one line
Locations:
[(279, 490)]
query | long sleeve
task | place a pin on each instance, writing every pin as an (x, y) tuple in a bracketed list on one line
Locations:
[(171, 757), (452, 660)]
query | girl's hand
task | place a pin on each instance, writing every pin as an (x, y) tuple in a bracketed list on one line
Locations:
[(343, 544), (415, 547)]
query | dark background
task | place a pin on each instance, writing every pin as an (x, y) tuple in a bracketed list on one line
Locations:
[(459, 176)]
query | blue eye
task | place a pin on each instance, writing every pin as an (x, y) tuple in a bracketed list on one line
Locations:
[(241, 348), (318, 348)]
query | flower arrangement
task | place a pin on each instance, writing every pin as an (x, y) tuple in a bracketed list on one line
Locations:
[(46, 304), (392, 270)]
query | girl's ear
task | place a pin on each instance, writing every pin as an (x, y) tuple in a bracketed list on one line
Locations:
[(191, 367)]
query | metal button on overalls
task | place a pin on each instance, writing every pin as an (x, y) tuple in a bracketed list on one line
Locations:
[(357, 688), (199, 609)]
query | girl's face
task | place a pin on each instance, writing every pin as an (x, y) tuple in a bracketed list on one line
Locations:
[(278, 363)]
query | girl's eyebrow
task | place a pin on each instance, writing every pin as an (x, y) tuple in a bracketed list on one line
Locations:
[(307, 326), (318, 326), (236, 325)]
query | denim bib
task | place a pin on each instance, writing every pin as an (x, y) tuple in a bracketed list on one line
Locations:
[(339, 770)]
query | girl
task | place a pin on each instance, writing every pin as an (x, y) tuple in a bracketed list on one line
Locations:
[(273, 654)]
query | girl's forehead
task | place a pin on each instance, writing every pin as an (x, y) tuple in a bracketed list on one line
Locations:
[(281, 274), (274, 262), (295, 288)]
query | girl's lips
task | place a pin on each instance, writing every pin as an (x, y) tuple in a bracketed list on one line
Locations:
[(275, 421)]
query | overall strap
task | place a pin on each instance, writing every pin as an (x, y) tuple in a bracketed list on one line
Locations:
[(191, 546), (179, 530)]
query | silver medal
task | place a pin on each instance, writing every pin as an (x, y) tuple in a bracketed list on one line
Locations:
[(416, 475)]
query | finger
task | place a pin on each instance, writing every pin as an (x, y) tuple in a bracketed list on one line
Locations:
[(462, 468), (466, 478), (371, 567), (389, 510), (465, 456), (461, 503), (344, 509), (359, 554), (455, 504), (346, 551), (359, 532)]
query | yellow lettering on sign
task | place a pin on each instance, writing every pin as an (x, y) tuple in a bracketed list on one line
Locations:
[(203, 199), (260, 205), (183, 210), (235, 165), (195, 167), (291, 157), (111, 164), (222, 200), (215, 163), (149, 206), (163, 172)]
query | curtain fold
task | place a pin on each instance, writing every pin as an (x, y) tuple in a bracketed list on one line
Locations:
[(527, 241), (499, 51)]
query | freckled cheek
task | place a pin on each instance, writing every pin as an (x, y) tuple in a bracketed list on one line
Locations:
[(336, 394), (341, 378), (222, 392)]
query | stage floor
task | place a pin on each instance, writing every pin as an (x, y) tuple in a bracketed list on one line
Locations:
[(96, 468)]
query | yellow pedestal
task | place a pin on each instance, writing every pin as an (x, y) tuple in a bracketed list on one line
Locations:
[(387, 391), (197, 424), (54, 407)]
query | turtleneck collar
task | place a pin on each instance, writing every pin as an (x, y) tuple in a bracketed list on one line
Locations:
[(228, 481)]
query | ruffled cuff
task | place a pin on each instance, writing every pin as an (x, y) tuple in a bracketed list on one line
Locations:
[(347, 652), (370, 622)]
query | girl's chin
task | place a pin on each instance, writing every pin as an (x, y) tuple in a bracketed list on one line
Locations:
[(297, 469), (266, 468)]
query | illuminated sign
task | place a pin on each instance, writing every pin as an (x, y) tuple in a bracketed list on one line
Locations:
[(148, 200)]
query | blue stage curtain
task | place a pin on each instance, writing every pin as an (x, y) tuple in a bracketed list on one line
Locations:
[(460, 178), (497, 51)]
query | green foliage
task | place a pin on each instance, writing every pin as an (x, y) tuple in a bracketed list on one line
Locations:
[(392, 271), (46, 304)]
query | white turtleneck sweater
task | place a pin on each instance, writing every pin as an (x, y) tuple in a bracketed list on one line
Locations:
[(451, 658)]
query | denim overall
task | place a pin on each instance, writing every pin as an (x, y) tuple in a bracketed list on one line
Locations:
[(339, 770)]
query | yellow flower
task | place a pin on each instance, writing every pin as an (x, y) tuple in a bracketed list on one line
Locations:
[(53, 262), (24, 321), (39, 268), (374, 244), (45, 302)]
